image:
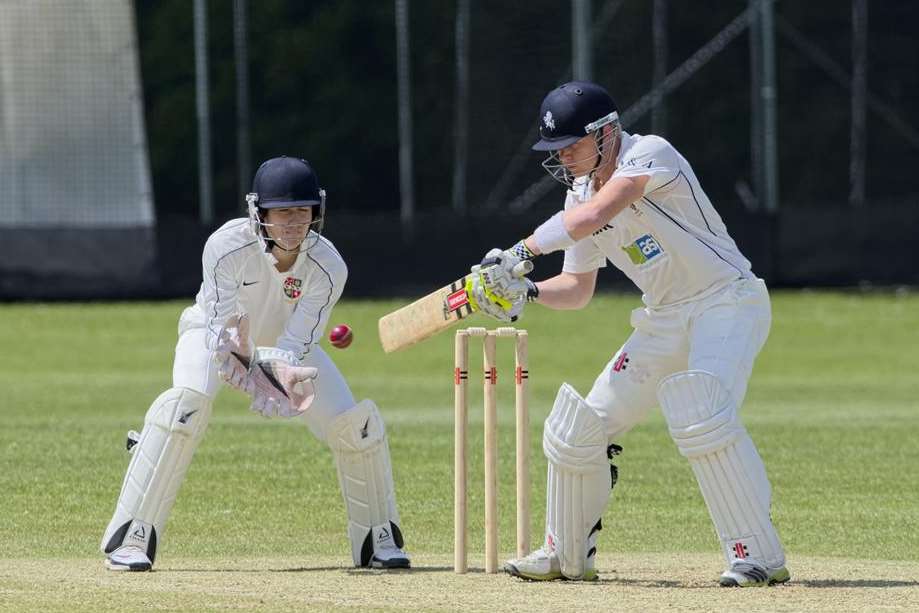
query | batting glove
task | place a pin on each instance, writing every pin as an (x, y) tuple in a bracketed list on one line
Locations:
[(502, 300)]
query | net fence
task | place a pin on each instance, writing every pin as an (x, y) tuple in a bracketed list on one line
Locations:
[(73, 145)]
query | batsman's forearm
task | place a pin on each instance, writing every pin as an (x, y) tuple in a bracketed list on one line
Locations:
[(530, 243), (566, 291), (566, 228)]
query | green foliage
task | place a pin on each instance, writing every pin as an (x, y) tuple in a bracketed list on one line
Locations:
[(831, 406)]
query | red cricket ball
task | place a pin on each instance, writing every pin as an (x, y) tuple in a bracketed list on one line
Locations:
[(341, 336)]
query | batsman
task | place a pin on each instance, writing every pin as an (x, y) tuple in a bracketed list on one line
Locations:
[(634, 201), (269, 284)]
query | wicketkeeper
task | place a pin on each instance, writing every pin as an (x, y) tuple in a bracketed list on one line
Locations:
[(634, 201), (270, 282)]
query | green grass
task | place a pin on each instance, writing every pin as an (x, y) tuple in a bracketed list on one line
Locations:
[(832, 406)]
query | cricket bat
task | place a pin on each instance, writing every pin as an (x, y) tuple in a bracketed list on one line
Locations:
[(432, 314), (425, 317)]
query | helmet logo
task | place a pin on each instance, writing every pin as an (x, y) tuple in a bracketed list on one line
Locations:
[(549, 120)]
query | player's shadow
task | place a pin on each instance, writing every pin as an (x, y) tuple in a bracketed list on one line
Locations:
[(399, 571), (835, 583), (312, 569), (248, 570), (652, 583), (811, 583)]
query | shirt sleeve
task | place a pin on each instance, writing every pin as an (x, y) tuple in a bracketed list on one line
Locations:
[(584, 255), (220, 287), (306, 325), (652, 157)]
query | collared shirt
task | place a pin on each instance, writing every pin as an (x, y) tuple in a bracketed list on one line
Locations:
[(288, 310), (671, 242)]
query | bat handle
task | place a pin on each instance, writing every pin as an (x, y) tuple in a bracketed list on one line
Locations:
[(521, 269)]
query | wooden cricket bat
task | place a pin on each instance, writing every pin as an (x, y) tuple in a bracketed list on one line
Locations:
[(425, 317)]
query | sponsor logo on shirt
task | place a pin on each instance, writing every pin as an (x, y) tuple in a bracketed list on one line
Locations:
[(292, 287), (643, 250)]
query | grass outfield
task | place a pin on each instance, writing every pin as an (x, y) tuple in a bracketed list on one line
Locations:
[(832, 406)]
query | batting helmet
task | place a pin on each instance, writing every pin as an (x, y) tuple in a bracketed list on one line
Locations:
[(572, 111)]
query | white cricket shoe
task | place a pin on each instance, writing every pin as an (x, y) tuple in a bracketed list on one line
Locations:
[(391, 557), (751, 574), (128, 558), (542, 566)]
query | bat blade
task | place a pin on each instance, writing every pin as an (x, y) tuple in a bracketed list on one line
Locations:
[(425, 317)]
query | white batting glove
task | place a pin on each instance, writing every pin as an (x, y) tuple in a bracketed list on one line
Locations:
[(510, 257), (278, 384), (496, 293), (501, 274), (234, 352)]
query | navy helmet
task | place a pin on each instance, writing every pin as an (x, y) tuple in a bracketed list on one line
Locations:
[(284, 182), (572, 111), (281, 183)]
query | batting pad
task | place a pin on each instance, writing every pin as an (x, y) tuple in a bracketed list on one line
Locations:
[(173, 427), (357, 438), (703, 422), (579, 482)]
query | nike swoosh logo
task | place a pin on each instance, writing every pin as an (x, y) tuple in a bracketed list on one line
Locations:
[(248, 283), (183, 418)]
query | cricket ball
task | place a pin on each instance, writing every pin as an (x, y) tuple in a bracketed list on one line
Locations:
[(341, 336)]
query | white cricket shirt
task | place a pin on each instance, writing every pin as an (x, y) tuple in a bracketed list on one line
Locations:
[(288, 310), (671, 243)]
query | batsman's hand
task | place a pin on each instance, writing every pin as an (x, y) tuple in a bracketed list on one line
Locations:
[(502, 274), (278, 384), (498, 286)]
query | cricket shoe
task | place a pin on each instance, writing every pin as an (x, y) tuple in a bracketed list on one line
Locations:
[(542, 566), (749, 574), (390, 558), (128, 558)]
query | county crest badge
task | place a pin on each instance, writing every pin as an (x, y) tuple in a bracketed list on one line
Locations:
[(292, 287)]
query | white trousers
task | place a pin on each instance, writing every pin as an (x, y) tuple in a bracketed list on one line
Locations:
[(195, 368), (721, 334)]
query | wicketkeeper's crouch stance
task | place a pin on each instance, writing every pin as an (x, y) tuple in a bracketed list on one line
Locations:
[(635, 201), (270, 282)]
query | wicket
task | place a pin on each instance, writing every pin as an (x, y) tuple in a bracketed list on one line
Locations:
[(460, 379)]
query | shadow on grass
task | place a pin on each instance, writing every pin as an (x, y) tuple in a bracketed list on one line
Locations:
[(310, 569), (855, 583), (654, 583), (812, 583)]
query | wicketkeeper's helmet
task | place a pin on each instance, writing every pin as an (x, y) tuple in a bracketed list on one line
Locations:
[(285, 182)]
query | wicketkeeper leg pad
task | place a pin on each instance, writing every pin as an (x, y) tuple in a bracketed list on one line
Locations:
[(357, 439), (703, 422), (579, 482), (173, 427)]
